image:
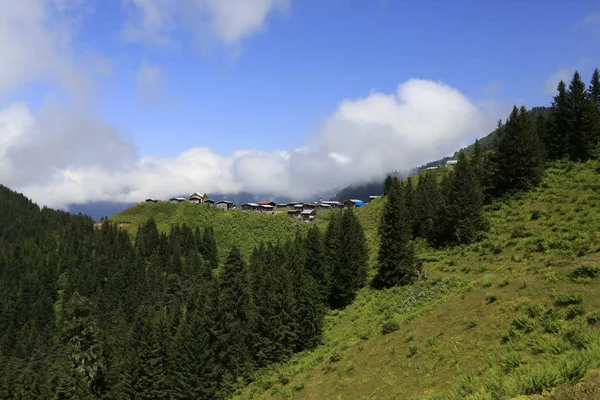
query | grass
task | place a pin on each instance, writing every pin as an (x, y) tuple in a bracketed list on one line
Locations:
[(512, 315), (246, 230)]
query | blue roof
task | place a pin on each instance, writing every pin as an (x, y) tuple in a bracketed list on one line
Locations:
[(359, 203)]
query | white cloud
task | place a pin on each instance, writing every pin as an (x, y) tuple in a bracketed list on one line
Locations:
[(565, 74), (155, 21), (35, 38), (149, 80), (77, 159)]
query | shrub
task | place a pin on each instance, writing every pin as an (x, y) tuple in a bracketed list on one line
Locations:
[(584, 273), (503, 282), (574, 310), (535, 215), (389, 327), (335, 356), (298, 387), (412, 350), (512, 360), (409, 337), (523, 323), (471, 322), (283, 379), (593, 318), (482, 268), (490, 298), (565, 299), (579, 336)]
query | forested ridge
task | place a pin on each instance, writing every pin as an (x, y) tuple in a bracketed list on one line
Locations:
[(93, 313)]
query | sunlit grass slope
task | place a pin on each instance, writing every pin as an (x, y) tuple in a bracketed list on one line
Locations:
[(512, 316), (246, 230)]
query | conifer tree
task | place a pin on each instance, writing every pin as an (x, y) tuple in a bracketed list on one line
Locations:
[(315, 263), (234, 321), (408, 198), (396, 261), (387, 184), (348, 272), (518, 163), (427, 205), (594, 89), (581, 121), (209, 247), (460, 219), (556, 137), (152, 374)]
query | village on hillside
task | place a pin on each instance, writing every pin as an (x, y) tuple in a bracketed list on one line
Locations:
[(306, 211)]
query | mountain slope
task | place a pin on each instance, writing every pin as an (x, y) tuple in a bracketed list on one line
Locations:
[(246, 230), (511, 315)]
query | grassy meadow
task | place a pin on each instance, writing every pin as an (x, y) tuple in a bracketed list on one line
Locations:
[(512, 316)]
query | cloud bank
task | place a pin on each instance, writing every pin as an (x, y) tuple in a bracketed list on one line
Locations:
[(59, 157), (154, 22)]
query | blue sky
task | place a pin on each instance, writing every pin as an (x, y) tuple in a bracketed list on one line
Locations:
[(150, 90)]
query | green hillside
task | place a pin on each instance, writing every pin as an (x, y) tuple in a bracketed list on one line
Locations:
[(246, 230), (514, 314)]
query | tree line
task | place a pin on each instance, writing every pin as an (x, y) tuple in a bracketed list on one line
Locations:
[(89, 313), (449, 212)]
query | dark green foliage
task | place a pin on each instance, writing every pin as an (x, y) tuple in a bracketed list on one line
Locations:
[(389, 327), (86, 314), (555, 139), (315, 261), (387, 185), (460, 218), (583, 121), (346, 257), (396, 260), (518, 163), (427, 206)]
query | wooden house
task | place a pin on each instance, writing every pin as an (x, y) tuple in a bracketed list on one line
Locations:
[(151, 200), (177, 200), (209, 203), (294, 212), (225, 205), (250, 207), (198, 198), (308, 215)]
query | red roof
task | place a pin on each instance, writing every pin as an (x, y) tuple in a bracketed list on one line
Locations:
[(265, 203)]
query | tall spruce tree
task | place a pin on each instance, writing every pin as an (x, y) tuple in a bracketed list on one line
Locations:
[(387, 184), (594, 89), (349, 270), (581, 121), (315, 263), (234, 322), (427, 205), (209, 248), (396, 260), (518, 163), (556, 137), (460, 219)]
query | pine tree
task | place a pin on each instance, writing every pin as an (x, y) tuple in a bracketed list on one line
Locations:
[(518, 163), (581, 121), (387, 184), (427, 205), (408, 203), (348, 272), (152, 374), (460, 219), (594, 89), (209, 248), (396, 261), (556, 137), (315, 263), (234, 322)]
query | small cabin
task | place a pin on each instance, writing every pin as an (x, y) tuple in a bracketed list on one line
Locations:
[(451, 163), (198, 198), (354, 203), (371, 198), (209, 203), (151, 200), (250, 207), (271, 204), (266, 208), (225, 205), (177, 200), (294, 213), (308, 215)]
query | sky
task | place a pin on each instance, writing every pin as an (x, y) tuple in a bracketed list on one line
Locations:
[(120, 100)]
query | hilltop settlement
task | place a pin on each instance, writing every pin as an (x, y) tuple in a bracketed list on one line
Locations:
[(304, 211)]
